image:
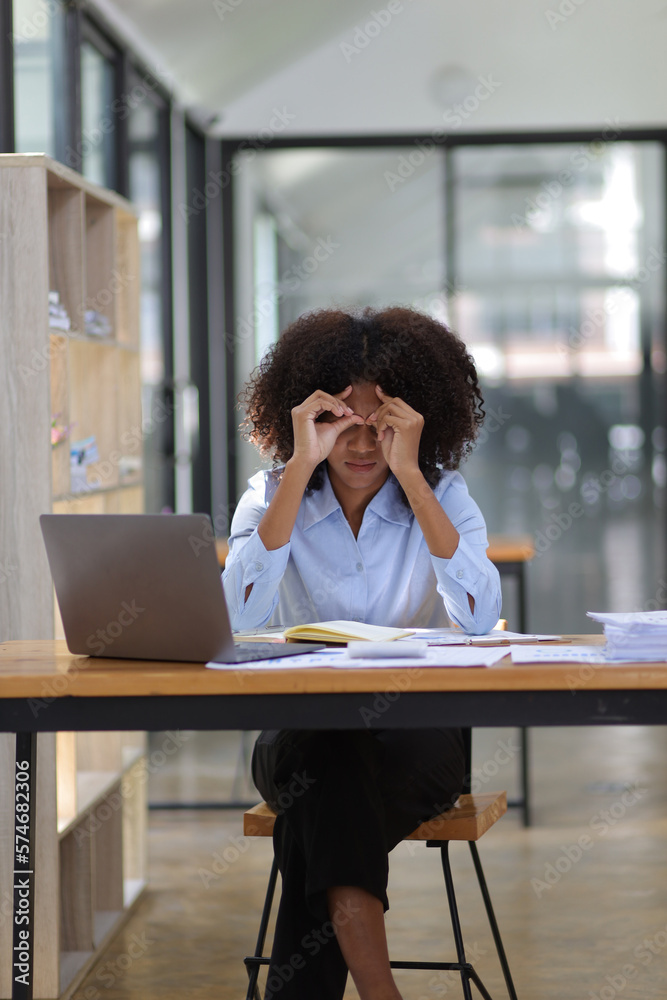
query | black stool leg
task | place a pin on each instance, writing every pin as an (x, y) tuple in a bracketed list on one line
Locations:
[(253, 967), (454, 914), (525, 777), (492, 920)]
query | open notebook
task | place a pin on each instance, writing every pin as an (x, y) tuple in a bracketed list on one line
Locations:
[(343, 631)]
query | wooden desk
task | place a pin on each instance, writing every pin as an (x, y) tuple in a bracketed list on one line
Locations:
[(78, 693), (91, 693)]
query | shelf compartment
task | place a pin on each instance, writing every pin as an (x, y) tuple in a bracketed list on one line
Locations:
[(101, 277), (126, 500), (93, 369), (106, 832), (66, 250), (58, 351), (130, 434), (135, 826), (128, 262), (89, 769), (76, 900)]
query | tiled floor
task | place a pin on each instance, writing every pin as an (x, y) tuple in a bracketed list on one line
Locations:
[(578, 924)]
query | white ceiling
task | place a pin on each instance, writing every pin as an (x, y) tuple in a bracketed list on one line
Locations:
[(331, 68)]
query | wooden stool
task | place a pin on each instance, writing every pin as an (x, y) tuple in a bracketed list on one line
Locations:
[(471, 817)]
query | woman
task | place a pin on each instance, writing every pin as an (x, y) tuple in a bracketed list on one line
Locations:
[(366, 418)]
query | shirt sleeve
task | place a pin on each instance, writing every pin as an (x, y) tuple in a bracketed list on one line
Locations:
[(250, 562), (469, 571)]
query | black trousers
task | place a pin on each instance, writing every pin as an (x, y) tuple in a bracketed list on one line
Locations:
[(344, 799)]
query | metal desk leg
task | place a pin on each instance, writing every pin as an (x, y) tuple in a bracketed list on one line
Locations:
[(518, 571), (25, 788), (525, 763)]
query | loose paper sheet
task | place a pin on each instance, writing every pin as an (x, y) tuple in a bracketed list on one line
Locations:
[(437, 656), (563, 654), (456, 637)]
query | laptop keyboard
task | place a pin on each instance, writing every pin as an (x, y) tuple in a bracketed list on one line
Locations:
[(247, 651)]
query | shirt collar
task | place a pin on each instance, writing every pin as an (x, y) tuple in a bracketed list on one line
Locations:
[(386, 503)]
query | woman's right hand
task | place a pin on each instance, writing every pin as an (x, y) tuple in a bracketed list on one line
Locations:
[(313, 438)]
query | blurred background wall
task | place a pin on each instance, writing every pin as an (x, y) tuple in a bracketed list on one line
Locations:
[(501, 166)]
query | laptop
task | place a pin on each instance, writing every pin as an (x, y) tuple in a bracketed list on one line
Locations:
[(145, 587)]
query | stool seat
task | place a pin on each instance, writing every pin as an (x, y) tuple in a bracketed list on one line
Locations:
[(468, 819)]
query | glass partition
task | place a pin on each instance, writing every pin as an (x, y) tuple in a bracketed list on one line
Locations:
[(549, 261), (98, 122), (149, 191), (558, 260), (37, 85)]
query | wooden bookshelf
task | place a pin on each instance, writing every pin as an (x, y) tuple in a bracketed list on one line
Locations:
[(61, 233)]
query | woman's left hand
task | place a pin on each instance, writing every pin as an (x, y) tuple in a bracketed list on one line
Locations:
[(399, 430)]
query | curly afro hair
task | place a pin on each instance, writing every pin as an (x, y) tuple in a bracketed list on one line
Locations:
[(408, 353)]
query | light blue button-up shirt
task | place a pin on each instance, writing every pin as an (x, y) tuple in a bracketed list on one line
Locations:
[(385, 576)]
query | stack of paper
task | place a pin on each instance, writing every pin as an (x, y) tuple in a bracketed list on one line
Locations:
[(58, 318), (97, 324), (634, 635)]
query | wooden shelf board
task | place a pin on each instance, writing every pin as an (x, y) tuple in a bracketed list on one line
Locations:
[(58, 175), (92, 786), (96, 491), (132, 890), (73, 966), (131, 755), (104, 922)]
